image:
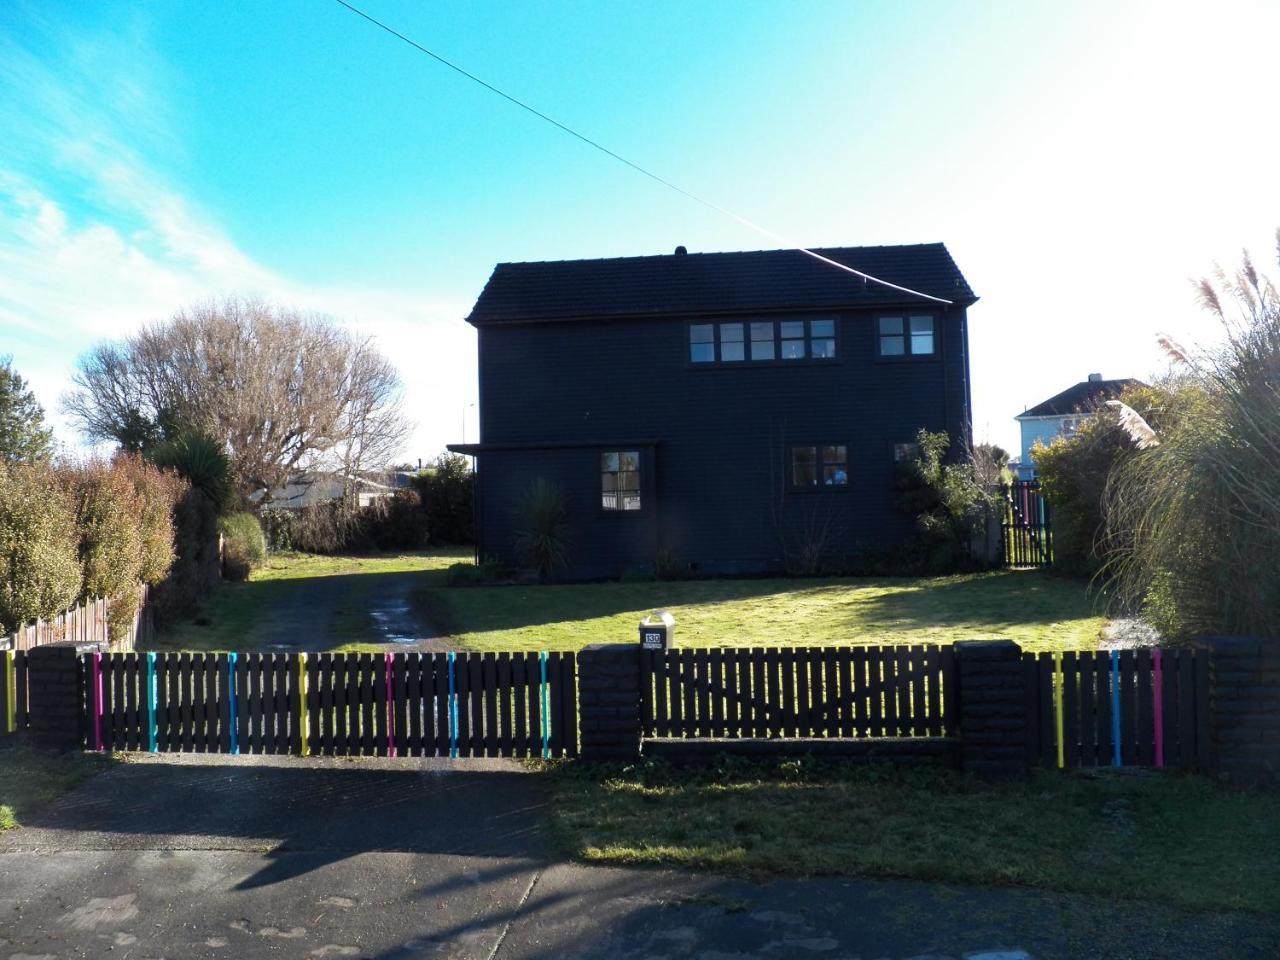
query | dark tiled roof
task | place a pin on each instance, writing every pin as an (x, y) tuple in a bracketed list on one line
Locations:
[(694, 283), (1083, 396)]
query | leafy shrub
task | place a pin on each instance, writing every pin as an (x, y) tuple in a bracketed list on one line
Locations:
[(125, 527), (1073, 474), (332, 526), (158, 492), (277, 527), (397, 522), (488, 571), (950, 507), (244, 546), (448, 495), (39, 565), (542, 529)]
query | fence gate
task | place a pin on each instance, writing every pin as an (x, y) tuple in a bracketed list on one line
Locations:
[(402, 704), (798, 692), (1027, 528)]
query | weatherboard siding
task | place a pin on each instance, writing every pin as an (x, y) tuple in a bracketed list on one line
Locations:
[(712, 486)]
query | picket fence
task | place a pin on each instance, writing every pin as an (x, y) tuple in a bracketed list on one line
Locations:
[(87, 623), (798, 692), (403, 704), (1119, 708)]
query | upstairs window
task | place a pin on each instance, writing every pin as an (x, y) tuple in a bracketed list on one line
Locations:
[(819, 466), (702, 344), (731, 346), (822, 339), (762, 341), (620, 480), (905, 336), (792, 333)]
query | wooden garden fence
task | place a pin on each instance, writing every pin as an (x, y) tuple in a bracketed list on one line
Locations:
[(798, 692), (1147, 707), (87, 623), (403, 704)]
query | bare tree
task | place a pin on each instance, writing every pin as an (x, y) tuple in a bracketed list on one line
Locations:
[(284, 391)]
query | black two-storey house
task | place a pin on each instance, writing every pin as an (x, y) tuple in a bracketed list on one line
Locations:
[(718, 412)]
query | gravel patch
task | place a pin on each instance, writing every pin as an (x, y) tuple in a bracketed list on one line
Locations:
[(1129, 633)]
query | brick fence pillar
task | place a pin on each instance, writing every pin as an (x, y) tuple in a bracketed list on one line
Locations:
[(56, 685), (609, 701), (1244, 713), (990, 685)]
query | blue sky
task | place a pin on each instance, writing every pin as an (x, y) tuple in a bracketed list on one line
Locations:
[(1082, 162)]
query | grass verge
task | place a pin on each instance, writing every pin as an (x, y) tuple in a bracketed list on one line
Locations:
[(1175, 839), (31, 779)]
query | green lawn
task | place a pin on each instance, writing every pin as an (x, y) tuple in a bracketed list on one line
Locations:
[(30, 779), (330, 599), (1040, 611), (1174, 839)]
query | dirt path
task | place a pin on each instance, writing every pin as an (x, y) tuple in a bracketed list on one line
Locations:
[(322, 613), (401, 622)]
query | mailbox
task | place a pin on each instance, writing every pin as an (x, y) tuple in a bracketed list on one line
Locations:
[(657, 631)]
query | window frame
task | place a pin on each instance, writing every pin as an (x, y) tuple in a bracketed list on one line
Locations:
[(601, 473), (775, 322), (906, 356), (820, 462)]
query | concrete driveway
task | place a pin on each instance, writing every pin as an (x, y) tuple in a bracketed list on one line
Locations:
[(243, 857)]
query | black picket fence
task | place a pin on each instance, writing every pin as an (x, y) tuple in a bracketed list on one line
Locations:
[(404, 704), (1146, 708), (798, 692)]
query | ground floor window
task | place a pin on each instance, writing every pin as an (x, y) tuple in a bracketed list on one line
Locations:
[(820, 466), (620, 480)]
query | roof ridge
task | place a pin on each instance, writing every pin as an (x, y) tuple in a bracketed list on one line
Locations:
[(726, 253)]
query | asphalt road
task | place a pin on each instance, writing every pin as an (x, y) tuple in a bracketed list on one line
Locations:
[(246, 857)]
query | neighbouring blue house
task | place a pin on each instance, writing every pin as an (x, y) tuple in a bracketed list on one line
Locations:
[(1061, 415), (714, 413)]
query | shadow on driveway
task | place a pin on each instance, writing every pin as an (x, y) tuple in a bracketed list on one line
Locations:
[(327, 808), (256, 857)]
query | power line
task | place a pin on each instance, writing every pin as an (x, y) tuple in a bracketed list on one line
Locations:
[(763, 231)]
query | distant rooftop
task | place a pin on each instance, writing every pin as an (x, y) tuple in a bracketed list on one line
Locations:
[(1082, 397), (681, 284)]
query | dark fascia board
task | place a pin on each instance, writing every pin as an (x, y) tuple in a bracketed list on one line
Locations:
[(472, 449), (738, 311)]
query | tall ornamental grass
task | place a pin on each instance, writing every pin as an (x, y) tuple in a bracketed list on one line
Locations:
[(1193, 520)]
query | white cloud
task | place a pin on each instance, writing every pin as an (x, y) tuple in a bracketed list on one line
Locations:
[(95, 240)]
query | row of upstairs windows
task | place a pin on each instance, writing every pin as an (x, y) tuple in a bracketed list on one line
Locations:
[(771, 340), (762, 340)]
